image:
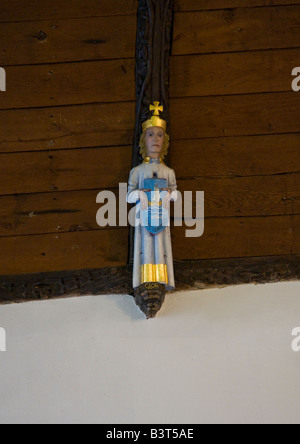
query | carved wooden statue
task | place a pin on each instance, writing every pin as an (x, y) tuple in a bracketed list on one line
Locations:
[(152, 185)]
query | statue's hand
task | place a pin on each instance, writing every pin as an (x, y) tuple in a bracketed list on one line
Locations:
[(166, 199), (144, 200)]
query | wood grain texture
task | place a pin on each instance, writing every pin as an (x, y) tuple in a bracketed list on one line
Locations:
[(65, 251), (63, 170), (222, 272), (69, 211), (66, 127), (246, 196), (242, 29), (235, 73), (106, 167), (68, 40), (48, 285), (236, 156), (14, 10), (235, 135), (35, 129), (200, 5), (117, 280), (253, 236), (68, 84), (240, 237), (56, 212), (254, 114)]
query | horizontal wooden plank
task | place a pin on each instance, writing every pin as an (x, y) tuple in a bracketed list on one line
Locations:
[(246, 196), (64, 170), (240, 237), (67, 40), (95, 81), (235, 73), (70, 211), (235, 156), (67, 127), (42, 213), (14, 10), (113, 124), (257, 236), (91, 168), (69, 84), (66, 251), (253, 114), (240, 29), (201, 5)]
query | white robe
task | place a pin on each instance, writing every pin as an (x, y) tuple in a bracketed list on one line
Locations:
[(153, 258)]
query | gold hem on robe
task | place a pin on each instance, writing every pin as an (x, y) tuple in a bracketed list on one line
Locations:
[(154, 273)]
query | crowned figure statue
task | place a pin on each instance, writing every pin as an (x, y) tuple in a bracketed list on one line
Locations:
[(152, 185)]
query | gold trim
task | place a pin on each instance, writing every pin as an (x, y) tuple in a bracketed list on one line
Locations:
[(154, 273), (154, 204), (154, 121), (147, 160)]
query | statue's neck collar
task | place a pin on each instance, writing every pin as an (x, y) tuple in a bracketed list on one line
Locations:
[(150, 160)]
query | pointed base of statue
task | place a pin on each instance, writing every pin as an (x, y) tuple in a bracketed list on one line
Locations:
[(149, 297)]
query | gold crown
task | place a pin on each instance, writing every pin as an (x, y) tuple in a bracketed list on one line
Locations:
[(155, 119)]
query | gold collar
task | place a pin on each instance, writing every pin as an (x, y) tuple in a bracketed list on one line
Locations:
[(147, 160)]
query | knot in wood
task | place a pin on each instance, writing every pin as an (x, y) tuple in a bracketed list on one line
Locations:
[(41, 36)]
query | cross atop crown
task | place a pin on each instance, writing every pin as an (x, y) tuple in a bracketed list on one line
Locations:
[(155, 120), (156, 108)]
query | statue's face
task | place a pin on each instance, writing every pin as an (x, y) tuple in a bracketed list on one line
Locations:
[(154, 141)]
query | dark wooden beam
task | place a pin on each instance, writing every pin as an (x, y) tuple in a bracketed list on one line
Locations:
[(190, 275), (153, 49)]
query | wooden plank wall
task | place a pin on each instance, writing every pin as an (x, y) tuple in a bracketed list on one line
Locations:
[(235, 125), (66, 130), (67, 119)]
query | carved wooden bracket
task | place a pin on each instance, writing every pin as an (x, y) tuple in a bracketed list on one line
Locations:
[(153, 48)]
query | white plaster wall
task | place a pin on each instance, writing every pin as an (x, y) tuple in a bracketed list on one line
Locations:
[(212, 356)]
